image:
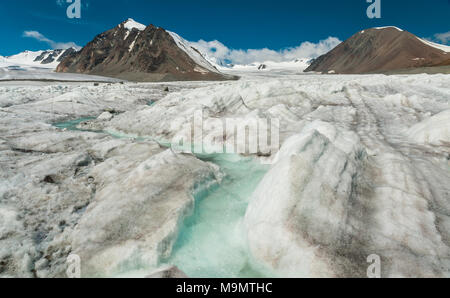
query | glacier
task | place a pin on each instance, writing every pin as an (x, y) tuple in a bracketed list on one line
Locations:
[(362, 168)]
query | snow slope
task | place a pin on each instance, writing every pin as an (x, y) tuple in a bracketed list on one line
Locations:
[(193, 53), (27, 59)]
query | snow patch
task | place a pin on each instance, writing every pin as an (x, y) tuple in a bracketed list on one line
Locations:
[(386, 27), (201, 70), (126, 35), (131, 24), (132, 45)]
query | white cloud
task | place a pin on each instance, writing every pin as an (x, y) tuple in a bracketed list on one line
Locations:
[(443, 37), (220, 52), (55, 45)]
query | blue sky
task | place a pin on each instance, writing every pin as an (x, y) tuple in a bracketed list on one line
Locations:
[(238, 24)]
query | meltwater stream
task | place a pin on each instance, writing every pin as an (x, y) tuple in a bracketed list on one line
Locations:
[(212, 242), (72, 125)]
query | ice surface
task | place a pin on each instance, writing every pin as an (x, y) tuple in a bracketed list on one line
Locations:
[(116, 235), (43, 74), (303, 202), (363, 169), (435, 130)]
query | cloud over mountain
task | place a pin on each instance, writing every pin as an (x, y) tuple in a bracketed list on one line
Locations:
[(221, 52), (443, 37), (55, 45)]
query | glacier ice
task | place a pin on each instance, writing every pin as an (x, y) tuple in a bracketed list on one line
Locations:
[(435, 130), (363, 169)]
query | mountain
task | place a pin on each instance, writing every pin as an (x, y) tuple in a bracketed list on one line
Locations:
[(136, 52), (38, 59), (379, 50)]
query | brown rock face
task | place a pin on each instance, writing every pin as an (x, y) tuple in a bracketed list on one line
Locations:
[(379, 50), (444, 63), (138, 55)]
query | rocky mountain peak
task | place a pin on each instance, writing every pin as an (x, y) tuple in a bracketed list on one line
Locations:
[(136, 52), (378, 50)]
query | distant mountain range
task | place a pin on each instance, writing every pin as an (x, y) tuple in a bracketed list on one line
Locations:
[(38, 59), (135, 52), (379, 50)]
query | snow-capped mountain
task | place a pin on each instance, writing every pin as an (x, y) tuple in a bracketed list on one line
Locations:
[(381, 49), (137, 52), (48, 59)]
